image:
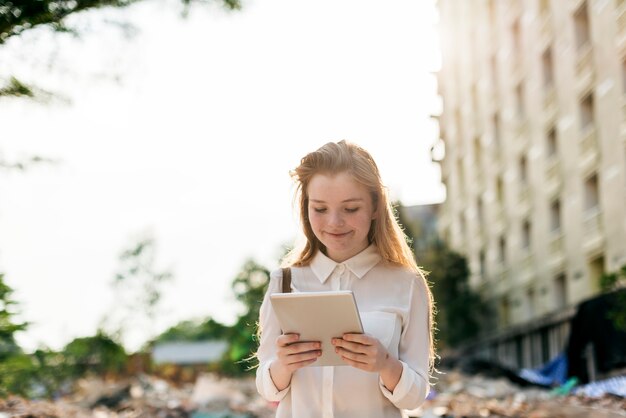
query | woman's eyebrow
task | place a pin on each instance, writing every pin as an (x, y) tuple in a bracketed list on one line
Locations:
[(353, 199)]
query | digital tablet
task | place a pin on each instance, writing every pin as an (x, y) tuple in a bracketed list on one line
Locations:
[(318, 316)]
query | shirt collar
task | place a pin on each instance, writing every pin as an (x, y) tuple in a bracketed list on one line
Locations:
[(360, 264)]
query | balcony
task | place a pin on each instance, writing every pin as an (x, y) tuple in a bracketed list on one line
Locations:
[(549, 97), (524, 198), (584, 67), (521, 134), (593, 233), (623, 125), (526, 268), (557, 257), (589, 147), (550, 108), (500, 219), (553, 175), (621, 21), (545, 28)]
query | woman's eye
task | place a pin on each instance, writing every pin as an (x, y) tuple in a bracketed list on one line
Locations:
[(351, 210), (320, 210)]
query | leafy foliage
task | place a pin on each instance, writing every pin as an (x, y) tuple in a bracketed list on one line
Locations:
[(249, 287), (459, 309), (610, 282), (458, 315), (139, 286), (99, 354), (17, 16), (16, 88), (208, 329), (8, 324), (16, 368)]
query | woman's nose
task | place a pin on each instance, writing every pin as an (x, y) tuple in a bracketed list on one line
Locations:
[(336, 219)]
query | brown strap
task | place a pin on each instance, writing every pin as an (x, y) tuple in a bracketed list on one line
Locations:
[(287, 280)]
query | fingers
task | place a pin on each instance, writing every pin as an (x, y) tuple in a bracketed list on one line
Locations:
[(354, 345), (359, 350), (286, 339), (294, 354)]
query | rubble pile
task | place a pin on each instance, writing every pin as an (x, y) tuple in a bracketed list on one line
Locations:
[(147, 397), (458, 395)]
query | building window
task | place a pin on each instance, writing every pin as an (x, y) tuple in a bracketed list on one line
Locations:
[(586, 112), (492, 13), (475, 98), (547, 68), (532, 308), (502, 250), (505, 311), (483, 263), (519, 100), (463, 225), (526, 230), (494, 71), (596, 271), (592, 195), (461, 177), (555, 216), (516, 33), (523, 169), (581, 26), (479, 209), (560, 291), (477, 153), (551, 144), (499, 190), (496, 130), (624, 76)]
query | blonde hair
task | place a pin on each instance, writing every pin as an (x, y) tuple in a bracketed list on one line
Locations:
[(385, 231)]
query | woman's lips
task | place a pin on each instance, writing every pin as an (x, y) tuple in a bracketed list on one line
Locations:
[(338, 235)]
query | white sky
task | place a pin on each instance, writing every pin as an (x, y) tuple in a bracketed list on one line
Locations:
[(188, 129)]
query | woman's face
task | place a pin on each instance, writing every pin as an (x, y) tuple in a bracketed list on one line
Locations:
[(340, 212)]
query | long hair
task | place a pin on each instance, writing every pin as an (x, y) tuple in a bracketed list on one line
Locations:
[(385, 231)]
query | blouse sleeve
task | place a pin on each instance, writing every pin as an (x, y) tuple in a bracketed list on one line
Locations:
[(270, 330), (414, 352)]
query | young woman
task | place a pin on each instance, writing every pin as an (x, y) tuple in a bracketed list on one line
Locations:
[(352, 242)]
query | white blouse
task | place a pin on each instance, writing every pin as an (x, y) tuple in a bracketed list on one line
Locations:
[(393, 304)]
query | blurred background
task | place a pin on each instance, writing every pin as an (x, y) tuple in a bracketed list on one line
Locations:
[(145, 194)]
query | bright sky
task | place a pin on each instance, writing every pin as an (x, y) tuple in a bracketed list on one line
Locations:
[(187, 129)]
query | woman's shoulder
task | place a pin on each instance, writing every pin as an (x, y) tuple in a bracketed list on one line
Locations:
[(399, 272)]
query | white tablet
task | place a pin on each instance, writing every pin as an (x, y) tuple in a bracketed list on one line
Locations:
[(318, 316)]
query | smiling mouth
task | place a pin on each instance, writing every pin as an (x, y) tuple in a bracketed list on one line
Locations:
[(336, 235)]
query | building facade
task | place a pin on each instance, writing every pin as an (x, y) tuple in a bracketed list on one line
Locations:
[(534, 131)]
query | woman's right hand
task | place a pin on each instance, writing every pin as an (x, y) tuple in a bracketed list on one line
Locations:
[(292, 355)]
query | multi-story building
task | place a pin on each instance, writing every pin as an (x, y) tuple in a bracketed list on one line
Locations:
[(534, 131)]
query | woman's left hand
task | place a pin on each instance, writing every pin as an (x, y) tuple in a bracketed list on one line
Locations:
[(362, 351)]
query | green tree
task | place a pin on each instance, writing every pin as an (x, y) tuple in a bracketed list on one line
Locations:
[(458, 313), (191, 330), (612, 282), (459, 309), (9, 326), (99, 354), (15, 366), (17, 16), (139, 287), (249, 288)]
